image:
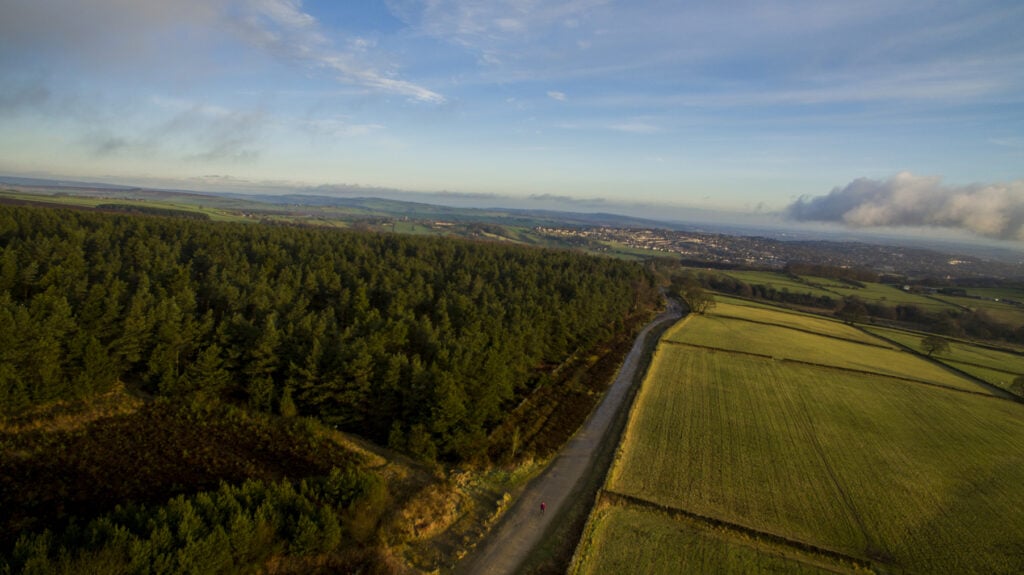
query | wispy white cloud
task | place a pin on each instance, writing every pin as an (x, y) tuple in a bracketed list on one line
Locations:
[(636, 128), (1016, 143), (336, 126), (281, 27), (131, 46), (945, 83), (768, 53), (560, 96), (478, 22), (143, 35), (288, 13), (630, 126)]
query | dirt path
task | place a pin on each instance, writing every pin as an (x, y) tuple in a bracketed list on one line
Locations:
[(523, 526)]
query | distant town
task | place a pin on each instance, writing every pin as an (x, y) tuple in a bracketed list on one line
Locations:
[(600, 233), (720, 250)]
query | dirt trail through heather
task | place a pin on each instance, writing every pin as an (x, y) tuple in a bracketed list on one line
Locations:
[(523, 526)]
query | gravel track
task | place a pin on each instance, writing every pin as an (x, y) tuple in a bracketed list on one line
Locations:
[(523, 526)]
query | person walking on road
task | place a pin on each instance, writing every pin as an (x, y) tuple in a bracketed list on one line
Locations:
[(543, 506)]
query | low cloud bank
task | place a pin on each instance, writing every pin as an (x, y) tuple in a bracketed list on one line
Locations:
[(989, 210)]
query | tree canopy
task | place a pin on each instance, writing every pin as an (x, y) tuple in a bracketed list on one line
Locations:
[(417, 342), (932, 344)]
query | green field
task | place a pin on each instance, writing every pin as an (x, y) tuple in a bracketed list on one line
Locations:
[(996, 377), (888, 472), (871, 292), (722, 330), (992, 365), (779, 281), (883, 294), (754, 312), (624, 539), (1015, 293), (1002, 312)]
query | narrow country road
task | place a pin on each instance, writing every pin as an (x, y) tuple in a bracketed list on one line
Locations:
[(505, 549)]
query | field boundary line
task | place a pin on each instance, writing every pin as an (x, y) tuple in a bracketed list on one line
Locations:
[(807, 331), (615, 498), (996, 391), (877, 322), (972, 364), (835, 367), (893, 325)]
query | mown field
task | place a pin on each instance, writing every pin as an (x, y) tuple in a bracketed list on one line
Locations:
[(870, 292), (808, 339), (625, 538), (1015, 293), (889, 295), (779, 281), (995, 366), (1000, 311), (877, 471), (752, 311)]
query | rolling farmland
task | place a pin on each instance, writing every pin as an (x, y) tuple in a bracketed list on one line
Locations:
[(817, 340), (1004, 312), (750, 311), (880, 293), (998, 303), (779, 281), (998, 367), (870, 292), (627, 537), (736, 461)]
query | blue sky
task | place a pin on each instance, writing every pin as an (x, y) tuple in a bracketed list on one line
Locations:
[(869, 113)]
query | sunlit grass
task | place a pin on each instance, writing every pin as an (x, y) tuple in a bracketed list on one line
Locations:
[(885, 471), (729, 333), (906, 474)]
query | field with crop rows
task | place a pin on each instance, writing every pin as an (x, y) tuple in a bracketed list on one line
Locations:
[(751, 311), (871, 469), (996, 377), (883, 294), (992, 365), (837, 290), (626, 538), (1002, 312), (779, 281), (1015, 293), (721, 331)]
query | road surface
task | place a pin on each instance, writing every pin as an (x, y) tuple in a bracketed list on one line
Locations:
[(523, 526)]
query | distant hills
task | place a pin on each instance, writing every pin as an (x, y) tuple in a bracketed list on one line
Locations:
[(348, 209)]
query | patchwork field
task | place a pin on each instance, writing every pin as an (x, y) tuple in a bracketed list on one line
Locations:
[(733, 462), (876, 293), (1003, 303), (779, 281), (627, 537), (882, 293), (813, 342), (1002, 312), (1000, 293), (762, 313), (992, 365)]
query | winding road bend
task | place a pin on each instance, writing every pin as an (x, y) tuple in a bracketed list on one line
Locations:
[(523, 526)]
